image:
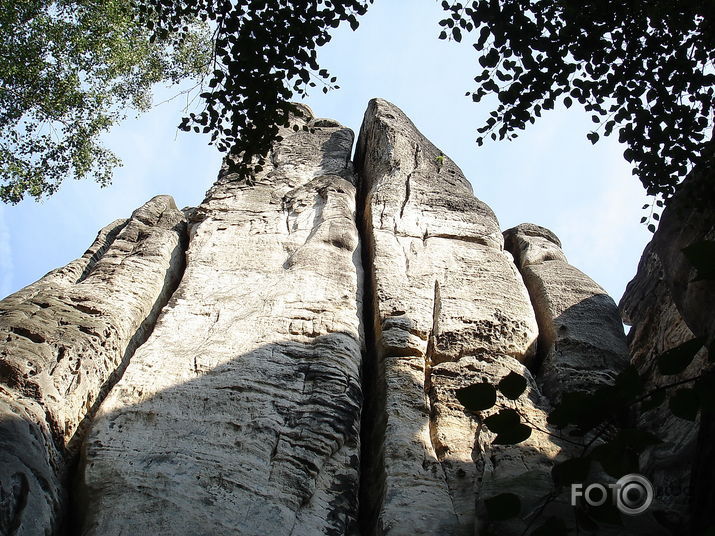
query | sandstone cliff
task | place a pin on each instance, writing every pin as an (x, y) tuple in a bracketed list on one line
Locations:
[(66, 339), (285, 358), (250, 384)]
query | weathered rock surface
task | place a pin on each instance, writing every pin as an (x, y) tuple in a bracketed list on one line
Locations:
[(65, 339), (688, 219), (667, 303), (657, 327), (581, 340), (281, 391), (240, 415), (476, 469), (443, 290)]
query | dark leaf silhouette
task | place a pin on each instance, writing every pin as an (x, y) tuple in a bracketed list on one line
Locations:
[(512, 385), (503, 506), (503, 421), (570, 471), (685, 403), (515, 434), (478, 396), (701, 255), (676, 360)]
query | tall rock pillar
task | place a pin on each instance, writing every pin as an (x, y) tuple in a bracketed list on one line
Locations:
[(240, 415), (65, 341), (448, 309), (581, 338)]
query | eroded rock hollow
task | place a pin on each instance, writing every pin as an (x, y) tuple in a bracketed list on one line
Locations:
[(284, 358)]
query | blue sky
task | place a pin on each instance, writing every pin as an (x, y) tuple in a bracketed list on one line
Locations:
[(551, 175)]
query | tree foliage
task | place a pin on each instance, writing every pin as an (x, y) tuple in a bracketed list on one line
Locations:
[(68, 71), (264, 53), (599, 427), (643, 67)]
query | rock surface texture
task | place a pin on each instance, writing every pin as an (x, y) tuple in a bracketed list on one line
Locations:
[(657, 326), (581, 339), (668, 303), (285, 358), (448, 309), (66, 339), (240, 415)]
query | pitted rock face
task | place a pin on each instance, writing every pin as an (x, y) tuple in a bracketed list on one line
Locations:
[(668, 303), (532, 244), (657, 326), (582, 344), (444, 290)]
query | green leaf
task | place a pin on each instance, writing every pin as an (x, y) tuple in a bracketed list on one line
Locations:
[(478, 396), (685, 404), (676, 360), (514, 435), (512, 385), (701, 256), (570, 471), (503, 506), (503, 421)]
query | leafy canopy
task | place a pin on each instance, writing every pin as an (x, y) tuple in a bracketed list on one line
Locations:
[(68, 71), (644, 67), (68, 68), (264, 52)]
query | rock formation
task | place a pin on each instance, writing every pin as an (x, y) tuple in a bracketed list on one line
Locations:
[(581, 336), (66, 339), (250, 384), (667, 304), (285, 358)]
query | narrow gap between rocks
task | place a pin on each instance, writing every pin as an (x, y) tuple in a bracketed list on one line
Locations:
[(372, 417)]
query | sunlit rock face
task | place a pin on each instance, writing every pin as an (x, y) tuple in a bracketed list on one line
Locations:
[(444, 291), (284, 358), (241, 413), (582, 343)]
